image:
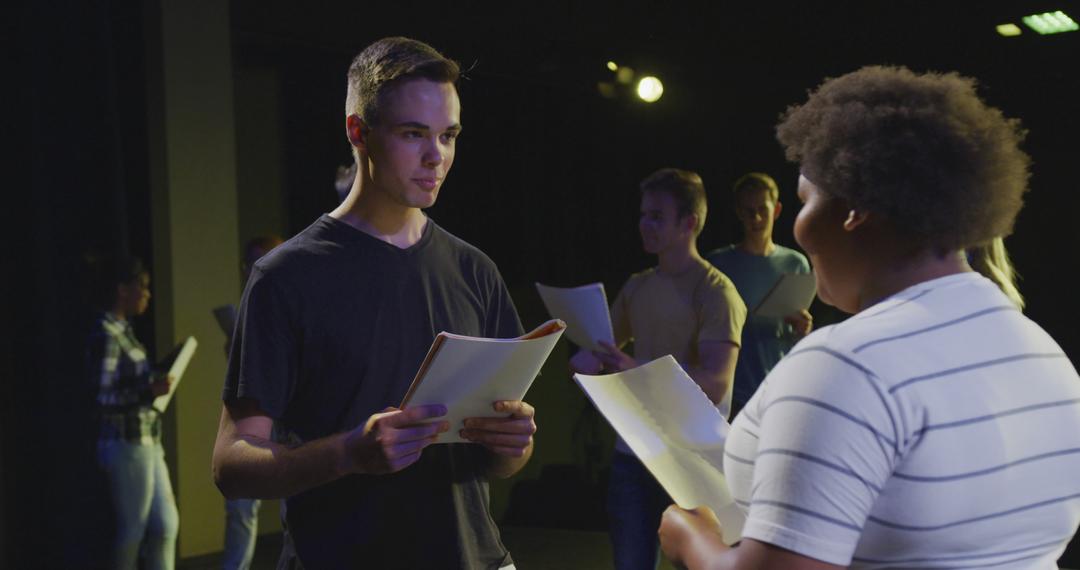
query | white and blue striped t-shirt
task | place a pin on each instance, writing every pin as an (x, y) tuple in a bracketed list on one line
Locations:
[(939, 428)]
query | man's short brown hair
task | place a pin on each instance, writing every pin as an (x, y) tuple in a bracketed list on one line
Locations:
[(756, 182), (684, 187), (387, 63)]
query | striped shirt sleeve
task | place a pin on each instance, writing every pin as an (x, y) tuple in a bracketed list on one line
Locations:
[(829, 440)]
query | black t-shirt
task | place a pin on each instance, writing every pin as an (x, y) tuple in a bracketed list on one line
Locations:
[(331, 329)]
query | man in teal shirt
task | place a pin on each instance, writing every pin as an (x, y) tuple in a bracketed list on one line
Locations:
[(754, 265)]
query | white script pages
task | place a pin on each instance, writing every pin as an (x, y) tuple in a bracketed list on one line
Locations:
[(792, 293), (585, 310), (469, 374), (674, 429), (174, 364)]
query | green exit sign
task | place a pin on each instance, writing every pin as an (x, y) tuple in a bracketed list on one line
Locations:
[(1051, 23)]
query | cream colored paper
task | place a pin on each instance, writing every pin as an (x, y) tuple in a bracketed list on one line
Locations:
[(468, 374), (585, 310), (674, 429), (792, 293), (177, 367)]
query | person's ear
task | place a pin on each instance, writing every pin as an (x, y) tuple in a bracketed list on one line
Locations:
[(776, 210), (855, 219), (357, 131), (690, 222)]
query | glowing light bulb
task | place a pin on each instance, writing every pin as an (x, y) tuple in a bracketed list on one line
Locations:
[(649, 89)]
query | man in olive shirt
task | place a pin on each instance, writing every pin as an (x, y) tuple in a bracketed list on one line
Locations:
[(684, 307)]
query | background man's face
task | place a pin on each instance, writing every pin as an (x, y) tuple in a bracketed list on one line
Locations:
[(660, 224), (411, 149), (757, 212)]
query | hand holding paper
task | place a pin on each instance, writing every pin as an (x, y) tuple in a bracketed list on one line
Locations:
[(160, 386), (468, 375), (614, 359), (585, 310), (510, 435), (674, 429), (689, 534), (392, 440)]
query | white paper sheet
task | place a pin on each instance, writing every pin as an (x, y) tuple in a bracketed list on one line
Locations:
[(792, 293), (468, 374), (673, 428), (585, 310), (176, 369)]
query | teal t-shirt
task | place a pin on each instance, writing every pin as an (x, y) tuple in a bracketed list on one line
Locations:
[(764, 341)]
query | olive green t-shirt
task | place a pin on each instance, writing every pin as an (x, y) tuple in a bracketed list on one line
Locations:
[(671, 314)]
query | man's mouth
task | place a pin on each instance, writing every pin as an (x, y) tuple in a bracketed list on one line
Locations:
[(427, 183)]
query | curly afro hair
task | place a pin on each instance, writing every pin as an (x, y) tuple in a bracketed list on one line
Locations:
[(921, 149)]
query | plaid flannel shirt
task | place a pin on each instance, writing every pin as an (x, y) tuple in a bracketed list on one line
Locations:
[(118, 361)]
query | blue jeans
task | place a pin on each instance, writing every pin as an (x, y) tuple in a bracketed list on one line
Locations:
[(142, 497), (241, 526), (635, 504)]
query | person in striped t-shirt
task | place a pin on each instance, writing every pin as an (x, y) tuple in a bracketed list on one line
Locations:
[(938, 427)]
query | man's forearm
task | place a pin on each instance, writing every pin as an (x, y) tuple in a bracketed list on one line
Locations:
[(714, 384), (251, 467), (504, 466)]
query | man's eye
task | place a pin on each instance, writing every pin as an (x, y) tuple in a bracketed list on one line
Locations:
[(412, 134), (449, 136)]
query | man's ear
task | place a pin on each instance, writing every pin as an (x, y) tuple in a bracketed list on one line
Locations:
[(855, 219), (690, 222), (357, 132), (776, 210)]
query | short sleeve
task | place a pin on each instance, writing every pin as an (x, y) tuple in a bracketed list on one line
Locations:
[(828, 444), (620, 313), (723, 313), (262, 358), (803, 266), (502, 319)]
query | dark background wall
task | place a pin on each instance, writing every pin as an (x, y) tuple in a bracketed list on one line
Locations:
[(544, 182)]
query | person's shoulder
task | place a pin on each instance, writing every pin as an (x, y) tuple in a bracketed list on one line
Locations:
[(715, 278), (106, 324), (635, 281), (638, 277), (463, 251), (719, 255), (791, 258), (317, 244)]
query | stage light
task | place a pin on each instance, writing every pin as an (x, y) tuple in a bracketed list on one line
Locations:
[(624, 75), (612, 66), (1051, 23), (649, 89), (1009, 30)]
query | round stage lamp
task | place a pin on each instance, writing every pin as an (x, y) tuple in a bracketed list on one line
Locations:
[(649, 89)]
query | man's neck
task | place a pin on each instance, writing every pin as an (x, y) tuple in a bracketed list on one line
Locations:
[(677, 260), (757, 245), (371, 212)]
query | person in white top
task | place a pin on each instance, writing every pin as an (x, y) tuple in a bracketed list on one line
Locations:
[(938, 427)]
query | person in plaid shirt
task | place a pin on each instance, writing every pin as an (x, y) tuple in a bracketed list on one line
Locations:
[(129, 445)]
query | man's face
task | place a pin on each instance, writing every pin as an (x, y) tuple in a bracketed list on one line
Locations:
[(757, 211), (660, 225), (411, 149)]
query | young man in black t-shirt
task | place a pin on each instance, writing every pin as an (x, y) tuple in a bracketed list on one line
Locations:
[(334, 324)]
